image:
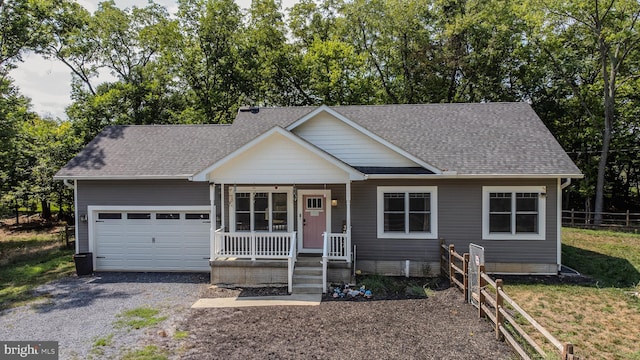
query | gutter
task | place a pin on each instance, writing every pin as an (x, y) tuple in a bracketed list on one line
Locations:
[(565, 184), (453, 175)]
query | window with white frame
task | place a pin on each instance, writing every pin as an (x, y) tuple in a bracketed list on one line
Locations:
[(407, 212), (261, 210), (513, 212)]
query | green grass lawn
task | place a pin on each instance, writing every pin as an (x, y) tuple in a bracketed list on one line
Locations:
[(30, 259), (602, 320)]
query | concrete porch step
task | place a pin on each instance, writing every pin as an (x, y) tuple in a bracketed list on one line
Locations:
[(307, 279), (307, 271), (307, 275), (309, 261), (307, 289)]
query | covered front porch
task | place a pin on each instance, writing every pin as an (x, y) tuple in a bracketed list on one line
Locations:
[(275, 198), (261, 231)]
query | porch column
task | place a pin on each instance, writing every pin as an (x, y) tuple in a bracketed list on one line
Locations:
[(222, 209), (348, 196), (212, 219), (212, 199)]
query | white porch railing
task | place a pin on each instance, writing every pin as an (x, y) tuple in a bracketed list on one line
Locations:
[(252, 245), (256, 245), (334, 247)]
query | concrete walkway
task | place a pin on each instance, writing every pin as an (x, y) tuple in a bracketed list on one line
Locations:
[(289, 300)]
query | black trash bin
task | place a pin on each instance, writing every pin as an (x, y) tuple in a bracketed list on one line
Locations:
[(84, 263)]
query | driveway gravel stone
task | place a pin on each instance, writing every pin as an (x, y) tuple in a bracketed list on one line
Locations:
[(76, 311)]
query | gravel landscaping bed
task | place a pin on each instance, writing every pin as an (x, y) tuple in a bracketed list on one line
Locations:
[(81, 313), (439, 327)]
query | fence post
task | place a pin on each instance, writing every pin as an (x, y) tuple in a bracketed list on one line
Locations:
[(567, 349), (465, 276), (452, 273), (481, 284), (573, 218), (628, 222), (499, 304), (441, 257)]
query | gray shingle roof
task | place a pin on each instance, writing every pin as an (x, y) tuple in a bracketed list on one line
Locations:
[(470, 139)]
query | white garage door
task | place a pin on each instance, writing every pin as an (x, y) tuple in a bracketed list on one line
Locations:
[(151, 241)]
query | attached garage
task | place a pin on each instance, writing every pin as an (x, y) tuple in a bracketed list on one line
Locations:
[(150, 239)]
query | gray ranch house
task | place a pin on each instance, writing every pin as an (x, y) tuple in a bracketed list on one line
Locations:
[(315, 193)]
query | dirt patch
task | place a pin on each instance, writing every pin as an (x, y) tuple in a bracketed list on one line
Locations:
[(437, 327), (547, 279)]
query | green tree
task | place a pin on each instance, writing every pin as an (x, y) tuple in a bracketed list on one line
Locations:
[(272, 65), (207, 57), (593, 47)]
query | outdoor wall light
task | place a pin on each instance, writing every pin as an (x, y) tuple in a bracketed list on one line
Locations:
[(334, 202), (83, 217)]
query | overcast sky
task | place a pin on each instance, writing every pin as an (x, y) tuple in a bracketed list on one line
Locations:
[(48, 82)]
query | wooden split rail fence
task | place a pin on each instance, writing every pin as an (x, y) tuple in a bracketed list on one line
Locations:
[(491, 304)]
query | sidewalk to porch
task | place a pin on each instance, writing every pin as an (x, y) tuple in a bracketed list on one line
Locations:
[(259, 301)]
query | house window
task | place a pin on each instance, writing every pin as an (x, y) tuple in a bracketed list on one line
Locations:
[(262, 211), (314, 203), (138, 216), (202, 216), (168, 216), (513, 213), (109, 216), (407, 212)]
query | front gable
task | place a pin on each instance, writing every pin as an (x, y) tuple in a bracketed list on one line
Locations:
[(278, 157), (349, 142)]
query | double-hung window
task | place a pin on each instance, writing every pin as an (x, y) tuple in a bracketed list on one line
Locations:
[(407, 212), (261, 210), (513, 212)]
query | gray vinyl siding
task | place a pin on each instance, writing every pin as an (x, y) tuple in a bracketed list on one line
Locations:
[(459, 223), (136, 193)]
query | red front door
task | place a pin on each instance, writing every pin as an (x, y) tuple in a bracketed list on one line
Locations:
[(314, 221)]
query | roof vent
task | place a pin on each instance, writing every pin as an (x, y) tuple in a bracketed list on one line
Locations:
[(251, 109)]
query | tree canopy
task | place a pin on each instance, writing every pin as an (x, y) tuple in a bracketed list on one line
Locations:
[(576, 62)]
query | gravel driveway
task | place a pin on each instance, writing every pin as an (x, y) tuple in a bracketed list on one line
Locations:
[(78, 311)]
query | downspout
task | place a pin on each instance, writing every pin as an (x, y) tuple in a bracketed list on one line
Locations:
[(68, 184), (561, 186)]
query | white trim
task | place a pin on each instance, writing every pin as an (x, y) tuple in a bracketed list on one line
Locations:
[(473, 176), (126, 177), (257, 189), (76, 219), (223, 208), (433, 190), (328, 110), (559, 223), (212, 216), (542, 201), (348, 199), (353, 173), (369, 176), (92, 209), (327, 204)]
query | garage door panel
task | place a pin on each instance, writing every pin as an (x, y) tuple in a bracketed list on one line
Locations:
[(152, 241)]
